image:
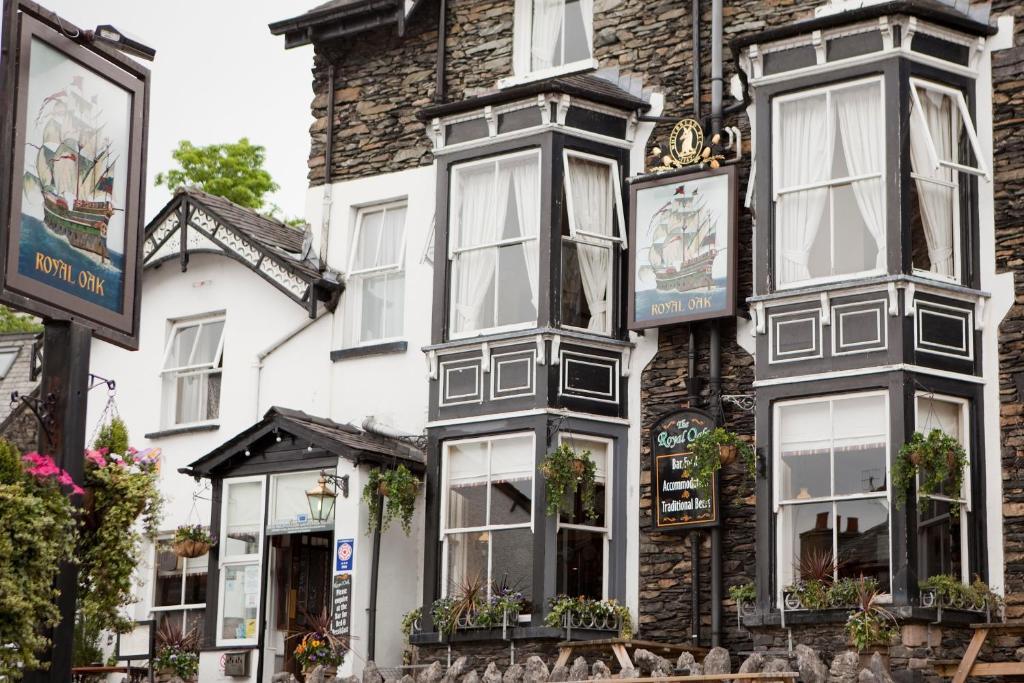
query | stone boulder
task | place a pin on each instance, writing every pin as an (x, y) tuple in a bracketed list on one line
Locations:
[(457, 670), (559, 674), (628, 673), (877, 666), (407, 678), (600, 671), (579, 671), (717, 661), (686, 665), (513, 674), (491, 674), (810, 666), (845, 668), (432, 674), (371, 674), (535, 671), (752, 664), (776, 665), (648, 662), (283, 677), (471, 677)]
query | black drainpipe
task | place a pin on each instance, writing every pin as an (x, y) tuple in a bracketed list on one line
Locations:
[(371, 637), (440, 94)]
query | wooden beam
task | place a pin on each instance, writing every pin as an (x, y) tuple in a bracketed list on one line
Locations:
[(967, 663)]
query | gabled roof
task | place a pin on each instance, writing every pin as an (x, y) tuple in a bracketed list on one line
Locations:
[(336, 19), (266, 246), (585, 86), (308, 436)]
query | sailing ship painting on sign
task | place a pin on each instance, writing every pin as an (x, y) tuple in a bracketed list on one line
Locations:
[(76, 147), (684, 260)]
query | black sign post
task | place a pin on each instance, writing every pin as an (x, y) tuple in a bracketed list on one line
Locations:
[(680, 502)]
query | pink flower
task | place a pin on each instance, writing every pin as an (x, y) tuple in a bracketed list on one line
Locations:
[(96, 457)]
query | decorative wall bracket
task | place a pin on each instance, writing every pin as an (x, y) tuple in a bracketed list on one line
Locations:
[(43, 409)]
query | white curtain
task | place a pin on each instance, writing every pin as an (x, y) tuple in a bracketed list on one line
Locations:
[(591, 190), (805, 157), (390, 251), (936, 201), (862, 133), (526, 186), (548, 16), (473, 271), (587, 10)]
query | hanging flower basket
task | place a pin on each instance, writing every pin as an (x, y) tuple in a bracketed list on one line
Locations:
[(579, 467), (191, 541), (191, 549), (727, 454), (566, 472), (398, 487)]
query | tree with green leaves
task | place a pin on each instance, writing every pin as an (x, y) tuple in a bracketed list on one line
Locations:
[(233, 170), (11, 322)]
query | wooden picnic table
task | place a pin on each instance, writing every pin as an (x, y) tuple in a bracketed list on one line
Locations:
[(136, 674), (969, 666), (760, 676), (620, 647)]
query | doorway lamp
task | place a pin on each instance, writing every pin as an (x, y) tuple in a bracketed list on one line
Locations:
[(322, 496)]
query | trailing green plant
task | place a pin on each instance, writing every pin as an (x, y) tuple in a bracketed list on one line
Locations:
[(566, 472), (936, 461), (177, 651), (409, 620), (471, 604), (582, 608), (193, 532), (745, 593), (399, 488), (951, 591), (845, 591), (37, 533), (707, 449), (121, 490), (870, 624)]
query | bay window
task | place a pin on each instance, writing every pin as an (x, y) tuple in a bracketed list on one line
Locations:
[(591, 235), (192, 371), (583, 542), (828, 164), (241, 543), (552, 33), (831, 485), (487, 513), (376, 279), (942, 536), (179, 588), (493, 243), (944, 153)]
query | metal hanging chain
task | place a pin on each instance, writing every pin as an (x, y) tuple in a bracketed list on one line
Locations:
[(197, 495), (109, 413)]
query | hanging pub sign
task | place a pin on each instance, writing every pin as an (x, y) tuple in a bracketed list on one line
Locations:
[(679, 502), (71, 175), (683, 264)]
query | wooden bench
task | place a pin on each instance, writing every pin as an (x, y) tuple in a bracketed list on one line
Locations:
[(760, 676), (969, 666), (136, 674), (620, 647)]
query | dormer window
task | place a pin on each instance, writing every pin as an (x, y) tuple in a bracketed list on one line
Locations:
[(829, 194), (944, 152), (553, 36)]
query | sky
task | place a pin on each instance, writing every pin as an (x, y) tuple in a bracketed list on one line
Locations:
[(218, 76)]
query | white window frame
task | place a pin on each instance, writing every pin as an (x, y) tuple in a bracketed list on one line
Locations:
[(577, 236), (522, 53), (965, 441), (833, 500), (169, 400), (183, 607), (225, 561), (959, 108), (606, 530), (778, 192), (446, 531), (454, 252), (354, 304)]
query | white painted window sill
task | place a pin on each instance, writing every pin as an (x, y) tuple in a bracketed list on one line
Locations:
[(564, 70)]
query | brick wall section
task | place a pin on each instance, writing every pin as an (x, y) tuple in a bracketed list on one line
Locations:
[(1008, 150)]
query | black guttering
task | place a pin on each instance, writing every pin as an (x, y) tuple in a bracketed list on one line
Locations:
[(932, 11), (590, 88), (335, 20)]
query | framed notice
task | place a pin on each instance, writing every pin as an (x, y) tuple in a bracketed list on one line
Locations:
[(683, 262), (679, 502), (72, 172)]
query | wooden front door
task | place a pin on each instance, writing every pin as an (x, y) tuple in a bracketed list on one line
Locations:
[(303, 574)]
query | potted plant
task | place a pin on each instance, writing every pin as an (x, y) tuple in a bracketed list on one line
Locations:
[(585, 613), (719, 447), (398, 487), (191, 541), (566, 472), (319, 645), (177, 653), (744, 595), (870, 625), (937, 461)]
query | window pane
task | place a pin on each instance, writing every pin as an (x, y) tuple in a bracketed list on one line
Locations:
[(855, 248), (209, 340), (580, 563), (572, 509), (934, 413), (181, 346), (577, 44), (806, 533), (6, 361), (473, 290), (803, 239), (195, 621), (938, 540), (512, 560), (391, 237), (168, 576), (189, 388), (466, 466), (859, 425), (863, 538), (374, 304), (212, 396), (290, 502), (369, 240), (467, 558), (241, 601), (244, 509), (804, 450), (512, 463), (516, 284), (395, 311), (575, 312), (195, 580)]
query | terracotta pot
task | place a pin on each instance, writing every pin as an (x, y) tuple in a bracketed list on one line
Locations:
[(916, 458), (727, 454), (951, 458), (191, 549), (383, 489), (578, 467)]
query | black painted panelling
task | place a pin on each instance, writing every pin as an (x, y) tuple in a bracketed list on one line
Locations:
[(795, 335), (942, 329), (464, 131), (512, 374), (590, 377), (596, 122), (845, 47), (943, 49), (460, 381), (859, 328), (787, 60), (519, 119)]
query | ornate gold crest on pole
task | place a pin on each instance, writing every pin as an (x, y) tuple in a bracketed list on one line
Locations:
[(686, 148)]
